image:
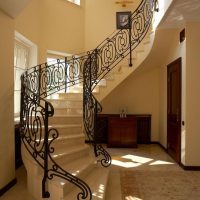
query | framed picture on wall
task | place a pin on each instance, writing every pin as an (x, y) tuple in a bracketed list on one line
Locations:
[(123, 20)]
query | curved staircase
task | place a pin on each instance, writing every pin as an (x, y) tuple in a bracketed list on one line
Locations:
[(71, 153), (54, 126)]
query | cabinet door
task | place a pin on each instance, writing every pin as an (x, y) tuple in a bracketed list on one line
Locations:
[(144, 129), (128, 133), (114, 136), (122, 132)]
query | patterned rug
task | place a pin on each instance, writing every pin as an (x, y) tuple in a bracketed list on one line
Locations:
[(160, 185)]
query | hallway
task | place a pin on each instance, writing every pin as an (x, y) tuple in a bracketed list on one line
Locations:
[(148, 165)]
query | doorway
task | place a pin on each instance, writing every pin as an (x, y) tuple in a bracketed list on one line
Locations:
[(174, 109)]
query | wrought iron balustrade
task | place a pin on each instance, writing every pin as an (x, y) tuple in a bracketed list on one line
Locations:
[(44, 80)]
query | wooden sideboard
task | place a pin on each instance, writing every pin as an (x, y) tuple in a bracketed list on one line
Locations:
[(122, 132), (141, 128)]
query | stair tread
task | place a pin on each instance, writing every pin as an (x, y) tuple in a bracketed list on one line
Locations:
[(59, 152), (97, 181), (65, 126), (63, 138), (69, 115), (64, 108), (70, 99), (76, 168), (62, 126), (70, 136)]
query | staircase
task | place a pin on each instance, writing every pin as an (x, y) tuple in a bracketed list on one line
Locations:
[(71, 152), (54, 126)]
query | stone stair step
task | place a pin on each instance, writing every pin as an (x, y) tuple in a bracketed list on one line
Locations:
[(80, 168), (69, 140), (69, 129), (66, 119), (68, 111), (68, 154), (102, 82), (98, 188), (70, 96), (65, 103), (146, 40), (64, 130), (78, 88)]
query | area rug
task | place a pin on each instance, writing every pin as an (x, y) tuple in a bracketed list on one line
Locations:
[(160, 185)]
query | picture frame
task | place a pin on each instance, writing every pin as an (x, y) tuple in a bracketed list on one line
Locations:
[(123, 20)]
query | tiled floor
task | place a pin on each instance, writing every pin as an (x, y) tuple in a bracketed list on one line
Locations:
[(148, 173), (147, 164)]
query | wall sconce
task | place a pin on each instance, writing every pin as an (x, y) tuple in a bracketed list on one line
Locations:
[(123, 2)]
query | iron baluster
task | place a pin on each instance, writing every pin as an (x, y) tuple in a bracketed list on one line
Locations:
[(130, 28), (45, 193), (90, 72), (65, 74), (156, 6), (95, 129), (39, 80)]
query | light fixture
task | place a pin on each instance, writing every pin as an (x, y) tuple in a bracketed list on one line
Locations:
[(123, 2)]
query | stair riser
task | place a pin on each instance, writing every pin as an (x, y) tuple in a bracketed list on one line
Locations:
[(68, 111), (69, 96), (61, 160), (69, 131), (62, 144), (76, 89), (82, 175), (65, 131), (65, 120), (67, 104)]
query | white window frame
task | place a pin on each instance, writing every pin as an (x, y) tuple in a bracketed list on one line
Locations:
[(31, 61)]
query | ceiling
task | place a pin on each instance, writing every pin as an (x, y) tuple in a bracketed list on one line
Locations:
[(13, 7), (181, 11)]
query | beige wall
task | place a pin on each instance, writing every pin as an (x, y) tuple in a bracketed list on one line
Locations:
[(189, 51), (100, 20), (7, 159), (63, 26), (192, 94), (176, 50), (140, 94), (28, 22), (53, 25)]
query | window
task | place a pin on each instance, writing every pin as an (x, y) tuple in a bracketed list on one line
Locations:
[(25, 56), (21, 62), (77, 2)]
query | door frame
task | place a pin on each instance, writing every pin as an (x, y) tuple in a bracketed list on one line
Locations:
[(179, 62)]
